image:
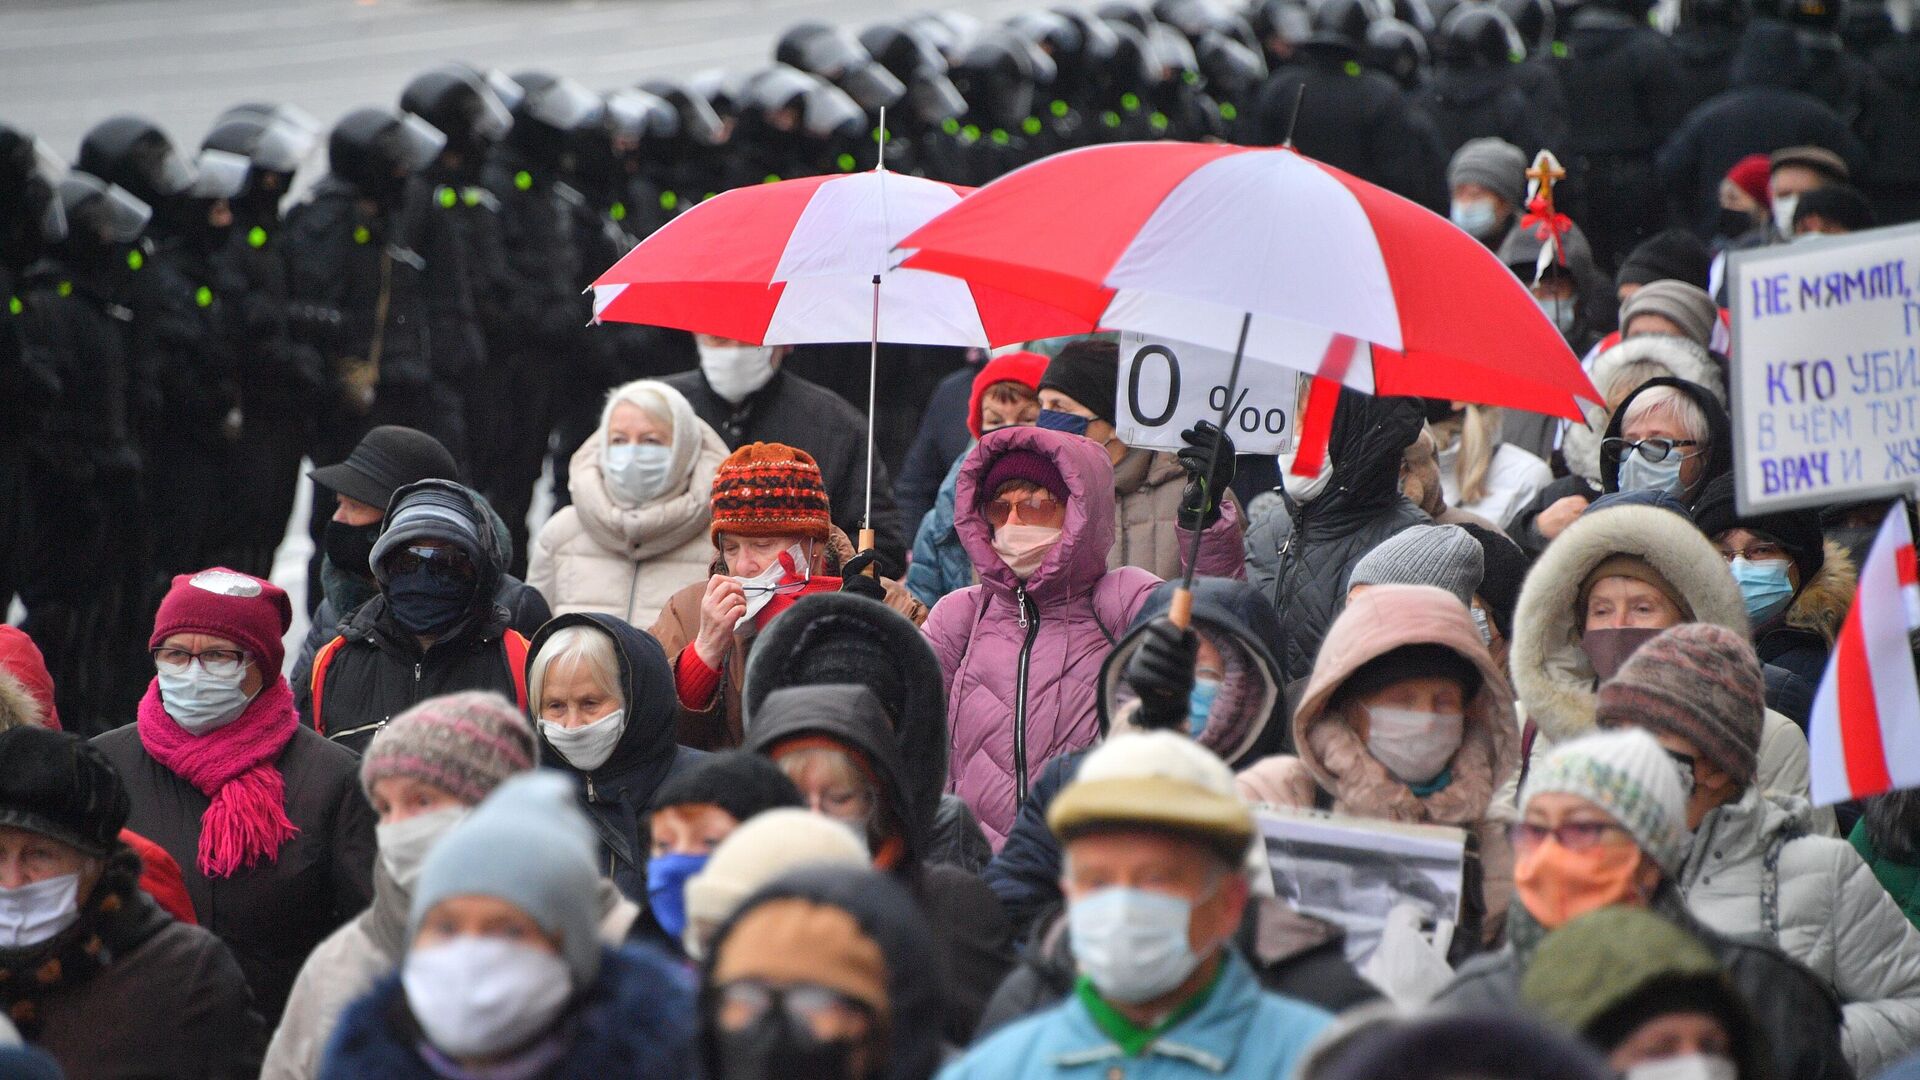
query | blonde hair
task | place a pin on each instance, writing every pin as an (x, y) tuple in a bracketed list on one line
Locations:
[(1479, 441), (647, 395), (577, 644)]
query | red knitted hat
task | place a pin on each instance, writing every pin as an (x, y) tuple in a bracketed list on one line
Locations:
[(1015, 367), (241, 608), (1750, 174), (770, 489)]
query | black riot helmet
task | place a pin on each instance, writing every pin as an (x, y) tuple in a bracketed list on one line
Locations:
[(1133, 69), (1282, 26), (1477, 35), (1535, 22), (553, 118), (1233, 71), (1342, 24), (1729, 14), (376, 150), (1399, 50), (464, 103), (722, 90), (135, 154), (276, 140), (835, 55), (999, 75), (102, 219), (1134, 13), (31, 215), (1821, 16), (700, 125), (1172, 55), (910, 57)]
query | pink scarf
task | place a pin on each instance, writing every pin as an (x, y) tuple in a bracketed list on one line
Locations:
[(233, 766)]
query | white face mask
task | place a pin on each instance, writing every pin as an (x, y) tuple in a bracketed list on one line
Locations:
[(636, 473), (1476, 217), (1024, 547), (1685, 1067), (1132, 943), (588, 746), (404, 844), (1304, 489), (33, 913), (481, 996), (200, 702), (736, 371), (1783, 208), (1414, 745), (760, 587)]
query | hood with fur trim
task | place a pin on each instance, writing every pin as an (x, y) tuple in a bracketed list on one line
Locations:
[(1823, 602), (1682, 359), (1551, 673)]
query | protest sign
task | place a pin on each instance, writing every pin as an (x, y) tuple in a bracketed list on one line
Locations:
[(1353, 871), (1167, 386), (1826, 370)]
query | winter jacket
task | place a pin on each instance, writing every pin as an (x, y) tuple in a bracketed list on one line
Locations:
[(341, 264), (358, 955), (187, 346), (791, 410), (1294, 955), (536, 237), (1148, 485), (1754, 869), (720, 726), (1304, 572), (1020, 660), (1469, 103), (1800, 639), (1705, 54), (1332, 757), (627, 561), (940, 564), (635, 1019), (271, 914), (972, 935), (77, 332), (1240, 1030), (1514, 479), (618, 795), (942, 438), (1622, 84), (1792, 1005), (1887, 836), (1364, 125), (1025, 873), (1553, 677)]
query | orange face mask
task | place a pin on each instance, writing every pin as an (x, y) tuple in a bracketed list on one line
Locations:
[(1558, 885)]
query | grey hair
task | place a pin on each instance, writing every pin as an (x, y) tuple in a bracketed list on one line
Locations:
[(1674, 402), (579, 644)]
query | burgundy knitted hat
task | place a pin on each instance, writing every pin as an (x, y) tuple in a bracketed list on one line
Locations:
[(252, 613), (1029, 465), (1700, 681)]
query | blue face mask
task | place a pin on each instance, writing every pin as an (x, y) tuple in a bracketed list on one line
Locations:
[(1764, 586), (1200, 704), (667, 889), (424, 602), (1054, 420), (1475, 217), (1639, 474)]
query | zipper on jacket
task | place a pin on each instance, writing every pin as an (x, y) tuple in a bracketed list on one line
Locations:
[(1030, 622), (417, 665)]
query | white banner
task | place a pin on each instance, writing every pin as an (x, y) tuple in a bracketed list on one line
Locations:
[(1354, 871), (1167, 386), (1826, 370)]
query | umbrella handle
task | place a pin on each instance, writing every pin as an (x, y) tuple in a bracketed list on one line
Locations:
[(1180, 611), (867, 540)]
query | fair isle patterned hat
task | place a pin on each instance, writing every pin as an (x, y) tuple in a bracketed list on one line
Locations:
[(770, 489), (1628, 775)]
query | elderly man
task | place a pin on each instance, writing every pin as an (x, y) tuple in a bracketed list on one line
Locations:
[(1155, 847)]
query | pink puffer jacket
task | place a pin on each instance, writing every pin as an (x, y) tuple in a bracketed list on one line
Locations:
[(1022, 662)]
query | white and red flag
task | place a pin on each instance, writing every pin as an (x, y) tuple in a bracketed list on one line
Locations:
[(1864, 734)]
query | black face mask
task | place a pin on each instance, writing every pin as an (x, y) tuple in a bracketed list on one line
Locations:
[(425, 601), (350, 547), (775, 1047), (1732, 223)]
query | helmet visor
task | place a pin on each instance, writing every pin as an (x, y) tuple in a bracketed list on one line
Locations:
[(219, 175), (416, 143), (565, 105), (935, 98), (510, 93), (872, 86), (51, 168), (637, 115), (830, 113), (494, 119)]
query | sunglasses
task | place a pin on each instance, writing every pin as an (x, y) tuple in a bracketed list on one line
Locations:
[(443, 562), (1036, 505)]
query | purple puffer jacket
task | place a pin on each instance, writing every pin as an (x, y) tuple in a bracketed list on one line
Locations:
[(1006, 719)]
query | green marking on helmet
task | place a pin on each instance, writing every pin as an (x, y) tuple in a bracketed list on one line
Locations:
[(970, 132), (65, 288), (472, 196), (1560, 50), (1228, 112), (257, 237), (1058, 107), (950, 125), (449, 198), (669, 200), (523, 180), (846, 162), (1191, 78), (1158, 121), (618, 211), (1110, 118), (361, 235), (1031, 125), (203, 296), (1352, 68), (1000, 137), (14, 306), (1130, 101), (135, 260)]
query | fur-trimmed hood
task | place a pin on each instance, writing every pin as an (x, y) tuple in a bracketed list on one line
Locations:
[(1551, 673), (1682, 358), (1823, 602), (18, 708)]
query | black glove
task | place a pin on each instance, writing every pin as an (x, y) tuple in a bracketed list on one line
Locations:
[(1205, 490), (853, 578), (1161, 674)]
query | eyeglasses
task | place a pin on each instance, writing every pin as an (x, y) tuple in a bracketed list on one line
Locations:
[(821, 1011), (445, 562), (1033, 506), (1572, 835), (1758, 551), (1653, 450), (784, 588), (220, 663)]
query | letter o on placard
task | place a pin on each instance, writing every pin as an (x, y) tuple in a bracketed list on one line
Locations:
[(1173, 386)]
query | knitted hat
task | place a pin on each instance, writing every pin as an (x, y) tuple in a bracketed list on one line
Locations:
[(1796, 531), (1675, 254), (529, 845), (1156, 781), (1750, 174), (1503, 569), (1818, 158), (1627, 775), (1494, 164), (1418, 661), (1034, 468), (61, 786), (1700, 681), (387, 459), (761, 849), (465, 744), (791, 939), (741, 783), (1688, 306), (1628, 566), (1440, 555), (1606, 957), (431, 510), (252, 613), (1024, 368), (1088, 371), (770, 489)]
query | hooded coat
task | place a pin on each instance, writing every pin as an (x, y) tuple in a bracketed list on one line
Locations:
[(1305, 571), (1719, 435), (1801, 639), (1754, 869), (974, 938), (378, 670), (1020, 660), (618, 795), (596, 555), (1149, 486), (1332, 757)]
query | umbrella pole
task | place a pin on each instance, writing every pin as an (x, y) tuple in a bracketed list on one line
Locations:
[(1180, 611), (873, 378)]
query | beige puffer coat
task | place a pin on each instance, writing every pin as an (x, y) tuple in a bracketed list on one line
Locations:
[(627, 561), (1147, 489)]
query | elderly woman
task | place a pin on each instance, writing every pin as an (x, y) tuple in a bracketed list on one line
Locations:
[(504, 974), (1670, 436), (264, 816), (601, 696), (636, 531)]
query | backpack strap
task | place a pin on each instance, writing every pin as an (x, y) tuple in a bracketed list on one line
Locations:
[(318, 678), (515, 647)]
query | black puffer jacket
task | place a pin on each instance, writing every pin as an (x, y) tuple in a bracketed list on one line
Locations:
[(975, 940), (1304, 572), (618, 795)]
